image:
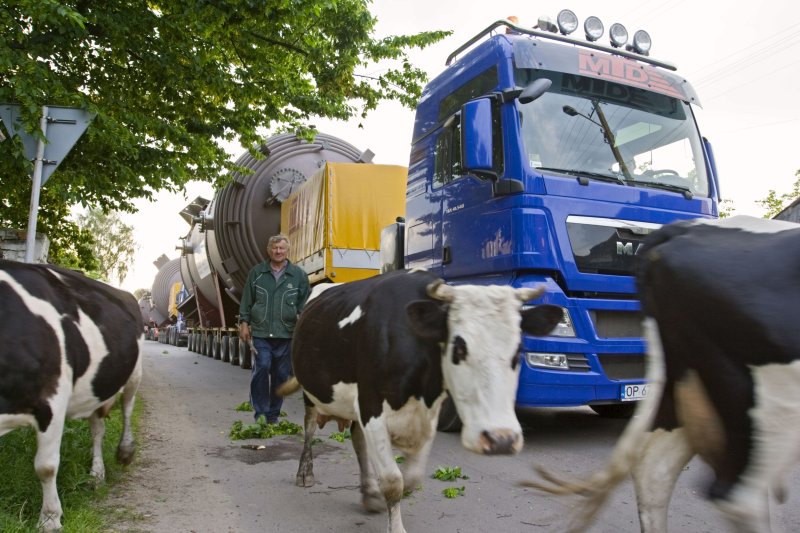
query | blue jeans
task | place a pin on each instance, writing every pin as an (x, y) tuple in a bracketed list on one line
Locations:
[(272, 363)]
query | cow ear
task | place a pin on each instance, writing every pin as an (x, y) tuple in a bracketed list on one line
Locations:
[(540, 320), (428, 320)]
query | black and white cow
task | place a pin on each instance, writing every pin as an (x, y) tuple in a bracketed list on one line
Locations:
[(722, 301), (69, 345), (385, 351)]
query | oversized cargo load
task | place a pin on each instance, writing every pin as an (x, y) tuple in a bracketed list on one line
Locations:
[(334, 219)]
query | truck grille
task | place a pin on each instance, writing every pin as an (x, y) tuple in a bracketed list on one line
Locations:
[(621, 366), (616, 324), (605, 245), (578, 363)]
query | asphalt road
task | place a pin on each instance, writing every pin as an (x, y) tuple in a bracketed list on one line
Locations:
[(210, 484)]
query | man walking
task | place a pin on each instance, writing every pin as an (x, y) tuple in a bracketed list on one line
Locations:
[(273, 297)]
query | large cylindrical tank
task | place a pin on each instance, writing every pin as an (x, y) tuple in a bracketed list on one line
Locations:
[(231, 234), (167, 276)]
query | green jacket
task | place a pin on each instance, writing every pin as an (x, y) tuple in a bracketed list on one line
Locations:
[(271, 308)]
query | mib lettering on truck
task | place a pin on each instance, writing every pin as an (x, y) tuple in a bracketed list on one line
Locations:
[(624, 71), (627, 248), (452, 209)]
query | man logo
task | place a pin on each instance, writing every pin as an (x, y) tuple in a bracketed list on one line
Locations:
[(627, 248)]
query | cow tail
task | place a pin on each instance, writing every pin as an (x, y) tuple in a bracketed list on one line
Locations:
[(599, 487), (289, 387)]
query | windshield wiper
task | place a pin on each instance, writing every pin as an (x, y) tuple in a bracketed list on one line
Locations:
[(584, 173), (676, 188)]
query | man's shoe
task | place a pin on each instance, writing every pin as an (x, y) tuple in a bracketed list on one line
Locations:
[(272, 421)]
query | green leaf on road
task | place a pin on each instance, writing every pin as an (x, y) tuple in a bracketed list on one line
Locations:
[(445, 473), (399, 459), (341, 437), (245, 406), (453, 492)]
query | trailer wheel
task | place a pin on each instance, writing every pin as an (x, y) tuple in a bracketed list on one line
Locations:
[(202, 344), (224, 355), (233, 348), (245, 356), (448, 417), (190, 344), (615, 410), (217, 348)]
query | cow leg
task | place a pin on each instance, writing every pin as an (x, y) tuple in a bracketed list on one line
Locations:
[(390, 479), (127, 448), (46, 466), (414, 468), (371, 496), (98, 428), (663, 456), (305, 472)]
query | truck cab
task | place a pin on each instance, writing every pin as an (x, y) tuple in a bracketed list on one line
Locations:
[(558, 191)]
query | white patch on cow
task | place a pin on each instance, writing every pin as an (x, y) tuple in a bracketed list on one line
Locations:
[(83, 401), (749, 224), (319, 289), (56, 274), (345, 398), (776, 442), (12, 422), (355, 315), (662, 456)]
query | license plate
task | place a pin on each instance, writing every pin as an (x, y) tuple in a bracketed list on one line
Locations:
[(632, 393)]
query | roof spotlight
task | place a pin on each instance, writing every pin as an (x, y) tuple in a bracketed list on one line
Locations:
[(567, 21), (594, 28), (547, 24), (642, 42), (618, 35)]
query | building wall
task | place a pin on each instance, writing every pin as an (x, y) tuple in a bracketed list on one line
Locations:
[(12, 245)]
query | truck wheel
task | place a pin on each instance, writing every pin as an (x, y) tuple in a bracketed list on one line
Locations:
[(615, 410), (214, 347), (191, 342), (233, 348), (203, 345), (245, 356), (224, 354), (448, 417)]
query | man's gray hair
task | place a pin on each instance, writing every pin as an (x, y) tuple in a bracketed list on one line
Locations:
[(278, 238)]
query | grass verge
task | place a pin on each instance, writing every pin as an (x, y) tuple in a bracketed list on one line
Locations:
[(21, 490)]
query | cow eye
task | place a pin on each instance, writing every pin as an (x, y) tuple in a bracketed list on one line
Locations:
[(517, 357), (459, 350)]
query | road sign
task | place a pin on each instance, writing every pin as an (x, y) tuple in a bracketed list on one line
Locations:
[(62, 127), (65, 125)]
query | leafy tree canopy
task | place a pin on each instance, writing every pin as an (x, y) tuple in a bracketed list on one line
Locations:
[(114, 246), (169, 79), (774, 204)]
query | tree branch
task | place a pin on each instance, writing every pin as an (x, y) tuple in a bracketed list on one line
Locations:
[(280, 43)]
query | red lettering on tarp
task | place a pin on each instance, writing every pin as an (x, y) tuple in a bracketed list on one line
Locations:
[(625, 71)]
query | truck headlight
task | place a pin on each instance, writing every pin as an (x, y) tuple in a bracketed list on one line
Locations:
[(567, 21), (564, 328), (547, 360), (593, 28), (618, 35), (642, 42)]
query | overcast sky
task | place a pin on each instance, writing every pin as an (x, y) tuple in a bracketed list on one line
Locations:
[(741, 56)]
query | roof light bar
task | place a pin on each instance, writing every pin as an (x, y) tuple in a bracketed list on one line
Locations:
[(642, 42), (593, 28), (545, 23)]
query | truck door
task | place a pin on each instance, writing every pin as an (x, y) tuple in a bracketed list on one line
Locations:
[(470, 235)]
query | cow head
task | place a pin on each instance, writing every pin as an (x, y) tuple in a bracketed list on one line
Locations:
[(479, 330)]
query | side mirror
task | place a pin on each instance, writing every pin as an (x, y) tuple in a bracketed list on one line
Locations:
[(392, 246), (476, 136), (534, 90)]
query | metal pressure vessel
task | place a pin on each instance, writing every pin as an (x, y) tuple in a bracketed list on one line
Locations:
[(230, 235), (167, 276)]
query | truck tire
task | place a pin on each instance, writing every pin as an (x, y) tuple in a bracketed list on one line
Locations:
[(191, 342), (448, 417), (233, 348), (615, 410), (224, 353), (215, 348), (203, 345), (245, 357)]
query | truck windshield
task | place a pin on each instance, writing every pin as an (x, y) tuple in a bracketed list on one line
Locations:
[(590, 126)]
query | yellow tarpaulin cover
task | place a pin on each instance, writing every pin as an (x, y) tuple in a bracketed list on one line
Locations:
[(343, 206), (173, 295)]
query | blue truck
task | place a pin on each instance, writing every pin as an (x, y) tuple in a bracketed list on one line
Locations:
[(542, 159)]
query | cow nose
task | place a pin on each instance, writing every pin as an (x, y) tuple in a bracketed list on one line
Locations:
[(499, 442)]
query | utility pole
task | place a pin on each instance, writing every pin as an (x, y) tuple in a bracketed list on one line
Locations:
[(30, 243)]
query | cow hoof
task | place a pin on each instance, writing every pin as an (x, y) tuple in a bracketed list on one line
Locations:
[(49, 525), (305, 480), (125, 454), (374, 502)]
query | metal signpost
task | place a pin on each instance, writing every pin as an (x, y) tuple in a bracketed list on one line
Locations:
[(62, 127)]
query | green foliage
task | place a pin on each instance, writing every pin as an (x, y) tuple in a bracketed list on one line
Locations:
[(114, 247), (21, 490), (399, 459), (262, 430), (445, 473), (726, 209), (169, 79), (244, 407), (453, 492), (774, 204), (341, 437)]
